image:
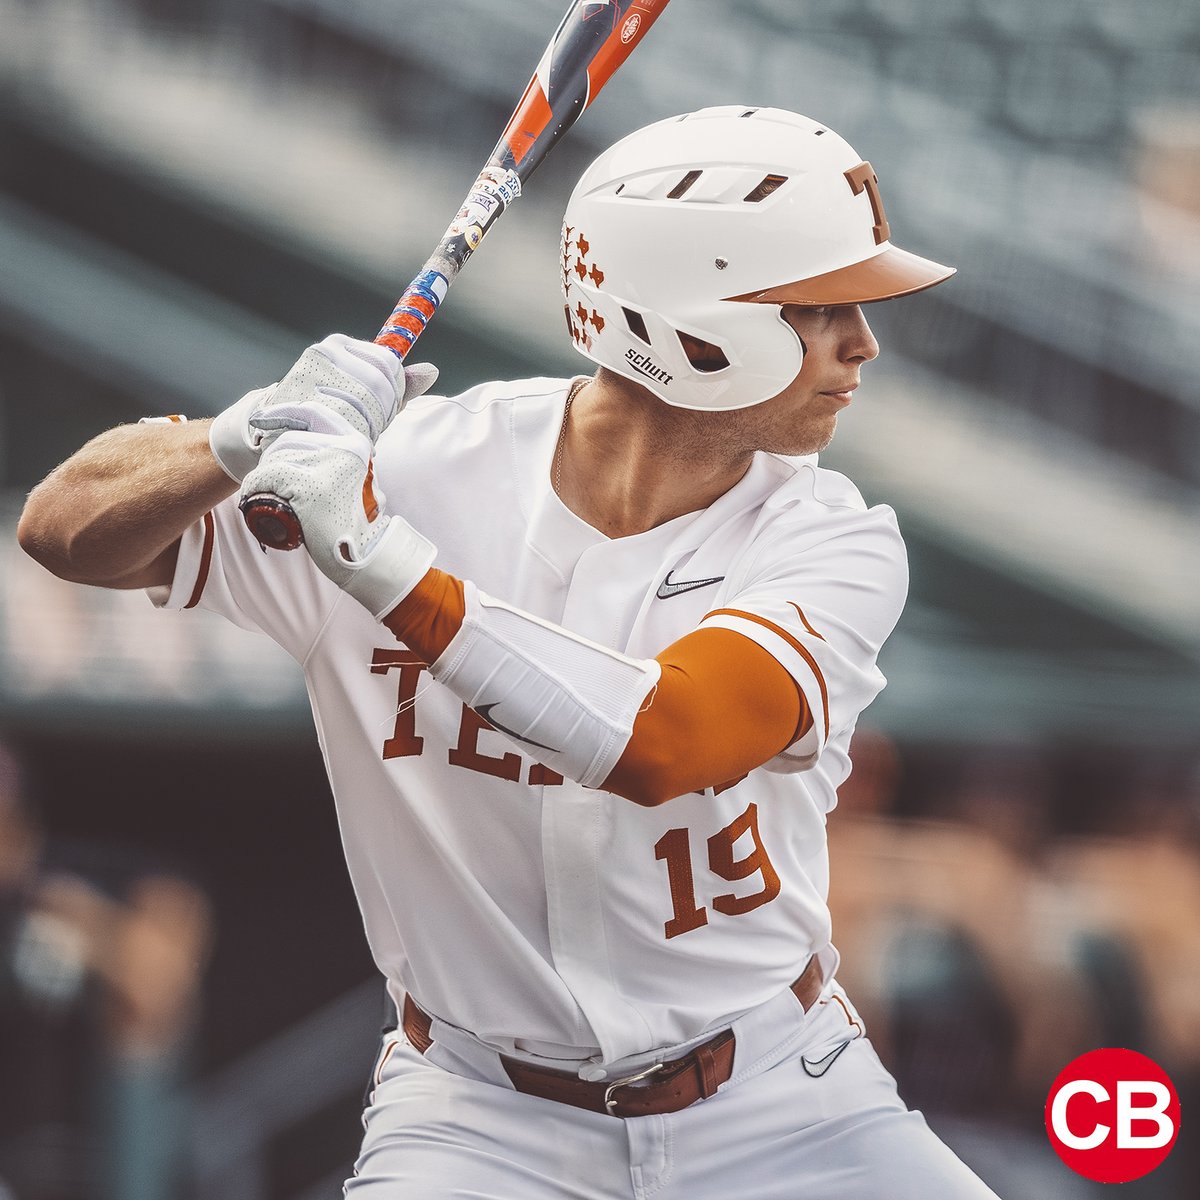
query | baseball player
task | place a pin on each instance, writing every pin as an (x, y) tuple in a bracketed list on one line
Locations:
[(585, 657)]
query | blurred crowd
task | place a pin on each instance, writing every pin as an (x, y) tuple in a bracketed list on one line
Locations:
[(992, 930), (102, 953)]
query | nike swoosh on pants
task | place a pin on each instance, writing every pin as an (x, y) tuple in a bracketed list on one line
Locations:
[(817, 1067)]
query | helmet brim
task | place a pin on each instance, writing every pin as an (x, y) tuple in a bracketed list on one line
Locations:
[(892, 272)]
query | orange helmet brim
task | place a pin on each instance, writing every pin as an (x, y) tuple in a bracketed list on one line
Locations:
[(891, 273)]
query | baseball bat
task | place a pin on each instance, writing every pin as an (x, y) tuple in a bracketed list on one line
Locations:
[(592, 41)]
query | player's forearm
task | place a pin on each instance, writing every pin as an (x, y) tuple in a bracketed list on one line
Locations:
[(121, 501)]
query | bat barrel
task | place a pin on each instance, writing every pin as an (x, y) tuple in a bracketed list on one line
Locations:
[(591, 43)]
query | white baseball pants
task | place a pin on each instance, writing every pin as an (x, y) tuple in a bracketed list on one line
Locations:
[(809, 1112)]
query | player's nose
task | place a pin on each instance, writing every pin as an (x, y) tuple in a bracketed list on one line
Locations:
[(857, 342)]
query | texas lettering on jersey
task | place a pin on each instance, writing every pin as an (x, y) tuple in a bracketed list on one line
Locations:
[(405, 742)]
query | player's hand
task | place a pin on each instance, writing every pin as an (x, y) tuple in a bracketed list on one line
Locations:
[(326, 478), (358, 381)]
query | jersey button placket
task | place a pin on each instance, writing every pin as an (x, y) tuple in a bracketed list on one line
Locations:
[(603, 601), (573, 823)]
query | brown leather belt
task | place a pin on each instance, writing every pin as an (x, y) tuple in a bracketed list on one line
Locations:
[(661, 1088)]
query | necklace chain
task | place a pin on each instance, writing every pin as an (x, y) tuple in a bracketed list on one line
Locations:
[(576, 388)]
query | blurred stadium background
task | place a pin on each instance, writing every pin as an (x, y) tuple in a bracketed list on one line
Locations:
[(191, 192)]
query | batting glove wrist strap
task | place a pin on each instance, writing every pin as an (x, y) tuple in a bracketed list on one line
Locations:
[(395, 564), (569, 701), (326, 479)]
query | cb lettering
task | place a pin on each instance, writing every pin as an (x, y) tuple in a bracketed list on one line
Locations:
[(1144, 1101)]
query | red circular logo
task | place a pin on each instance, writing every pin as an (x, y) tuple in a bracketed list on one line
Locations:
[(630, 28), (1113, 1115)]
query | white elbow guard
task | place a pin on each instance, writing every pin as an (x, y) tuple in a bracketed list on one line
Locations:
[(572, 702)]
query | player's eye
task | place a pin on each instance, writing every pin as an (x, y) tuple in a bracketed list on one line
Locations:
[(811, 315)]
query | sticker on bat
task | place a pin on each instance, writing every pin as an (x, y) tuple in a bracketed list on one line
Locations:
[(492, 191), (630, 28), (507, 183), (478, 202)]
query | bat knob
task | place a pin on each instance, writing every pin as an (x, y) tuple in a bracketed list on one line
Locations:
[(272, 522)]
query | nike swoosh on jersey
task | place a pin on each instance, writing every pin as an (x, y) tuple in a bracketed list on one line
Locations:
[(816, 1068), (667, 589), (485, 711)]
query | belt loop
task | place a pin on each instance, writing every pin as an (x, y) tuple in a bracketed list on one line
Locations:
[(706, 1068)]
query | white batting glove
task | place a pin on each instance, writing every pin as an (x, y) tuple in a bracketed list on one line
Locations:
[(359, 381), (327, 480)]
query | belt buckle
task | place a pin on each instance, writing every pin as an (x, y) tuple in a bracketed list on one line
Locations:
[(609, 1102)]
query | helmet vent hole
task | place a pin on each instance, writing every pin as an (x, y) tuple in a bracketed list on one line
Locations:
[(684, 185), (749, 112), (704, 356), (637, 325), (766, 186), (818, 133), (620, 189)]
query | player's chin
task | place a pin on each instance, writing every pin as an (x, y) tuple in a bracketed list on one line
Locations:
[(814, 437)]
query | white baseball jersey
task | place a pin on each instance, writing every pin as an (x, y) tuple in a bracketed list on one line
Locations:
[(545, 918)]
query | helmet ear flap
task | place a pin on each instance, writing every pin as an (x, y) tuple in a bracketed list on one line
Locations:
[(795, 333), (688, 363)]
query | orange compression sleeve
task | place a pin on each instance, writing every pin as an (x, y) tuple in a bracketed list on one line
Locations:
[(723, 706), (427, 619)]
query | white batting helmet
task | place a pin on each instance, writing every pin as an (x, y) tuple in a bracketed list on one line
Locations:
[(697, 229)]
